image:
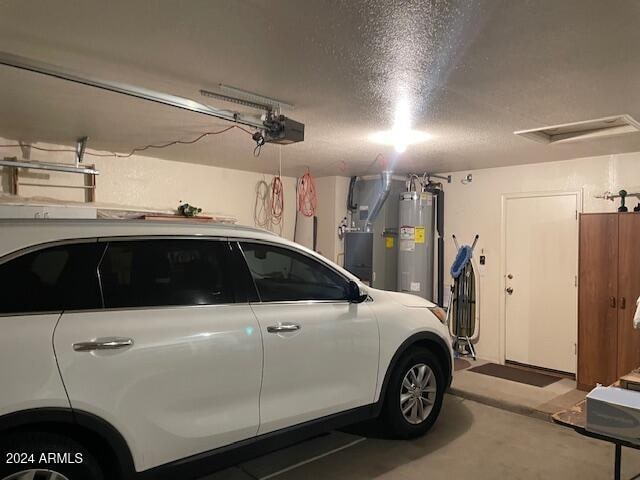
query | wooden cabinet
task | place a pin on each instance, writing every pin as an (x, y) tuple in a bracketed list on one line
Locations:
[(609, 285), (628, 291)]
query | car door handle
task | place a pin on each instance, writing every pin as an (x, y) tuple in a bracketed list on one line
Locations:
[(107, 343), (283, 327)]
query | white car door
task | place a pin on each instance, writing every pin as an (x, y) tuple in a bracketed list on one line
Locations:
[(320, 350), (174, 361), (37, 285)]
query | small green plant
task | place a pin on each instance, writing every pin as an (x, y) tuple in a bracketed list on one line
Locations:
[(187, 210)]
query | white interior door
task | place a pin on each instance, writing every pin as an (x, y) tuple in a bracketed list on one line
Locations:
[(541, 265)]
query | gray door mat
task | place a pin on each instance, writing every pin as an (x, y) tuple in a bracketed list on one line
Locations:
[(515, 374)]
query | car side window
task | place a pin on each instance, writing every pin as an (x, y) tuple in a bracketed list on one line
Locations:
[(150, 273), (57, 278), (280, 274)]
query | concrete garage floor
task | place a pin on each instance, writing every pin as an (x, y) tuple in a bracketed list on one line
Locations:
[(469, 440), (541, 402)]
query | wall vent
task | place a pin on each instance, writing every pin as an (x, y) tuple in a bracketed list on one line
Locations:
[(586, 130)]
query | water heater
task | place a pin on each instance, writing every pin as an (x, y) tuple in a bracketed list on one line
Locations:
[(416, 243)]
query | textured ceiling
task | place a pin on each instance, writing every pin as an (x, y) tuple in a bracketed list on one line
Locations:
[(472, 71)]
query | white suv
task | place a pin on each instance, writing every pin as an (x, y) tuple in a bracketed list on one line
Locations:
[(132, 349)]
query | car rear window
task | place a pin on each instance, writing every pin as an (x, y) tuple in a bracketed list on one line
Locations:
[(150, 273), (57, 278)]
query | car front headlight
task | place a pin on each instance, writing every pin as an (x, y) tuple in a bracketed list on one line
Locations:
[(439, 313)]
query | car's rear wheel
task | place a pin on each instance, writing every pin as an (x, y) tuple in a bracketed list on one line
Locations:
[(414, 394), (46, 456), (36, 474)]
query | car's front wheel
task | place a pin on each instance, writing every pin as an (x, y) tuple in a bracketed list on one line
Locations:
[(414, 394)]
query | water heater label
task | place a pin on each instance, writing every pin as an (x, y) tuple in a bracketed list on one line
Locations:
[(407, 245), (407, 233), (415, 286), (407, 239), (420, 231), (388, 241)]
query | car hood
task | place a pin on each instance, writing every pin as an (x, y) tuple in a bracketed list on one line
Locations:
[(408, 300)]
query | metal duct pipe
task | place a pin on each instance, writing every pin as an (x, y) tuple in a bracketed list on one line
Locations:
[(387, 176), (350, 205), (436, 189)]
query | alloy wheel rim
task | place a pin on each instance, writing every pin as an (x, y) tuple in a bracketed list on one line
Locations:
[(418, 393), (37, 474)]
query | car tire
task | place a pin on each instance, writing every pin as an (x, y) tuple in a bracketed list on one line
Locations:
[(413, 398), (52, 456)]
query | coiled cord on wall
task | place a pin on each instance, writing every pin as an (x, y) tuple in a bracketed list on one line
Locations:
[(307, 198), (269, 204), (261, 213), (268, 211), (277, 200)]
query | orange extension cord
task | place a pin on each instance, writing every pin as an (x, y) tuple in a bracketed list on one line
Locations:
[(307, 199)]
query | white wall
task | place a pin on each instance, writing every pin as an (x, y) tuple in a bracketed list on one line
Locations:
[(147, 182), (332, 208), (476, 208), (340, 199), (325, 212)]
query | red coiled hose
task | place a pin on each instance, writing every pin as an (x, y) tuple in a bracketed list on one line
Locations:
[(307, 199)]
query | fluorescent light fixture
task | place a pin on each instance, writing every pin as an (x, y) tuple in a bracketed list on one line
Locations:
[(585, 130), (401, 135)]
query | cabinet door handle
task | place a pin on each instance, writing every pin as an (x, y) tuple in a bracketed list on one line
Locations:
[(612, 302), (623, 303)]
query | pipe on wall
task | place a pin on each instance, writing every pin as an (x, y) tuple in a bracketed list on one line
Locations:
[(437, 190), (387, 177)]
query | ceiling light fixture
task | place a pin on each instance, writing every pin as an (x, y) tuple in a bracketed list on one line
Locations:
[(400, 139), (401, 134)]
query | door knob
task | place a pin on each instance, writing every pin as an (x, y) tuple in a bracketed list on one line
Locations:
[(509, 290)]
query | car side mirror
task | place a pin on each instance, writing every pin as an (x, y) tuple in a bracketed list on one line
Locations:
[(357, 294)]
